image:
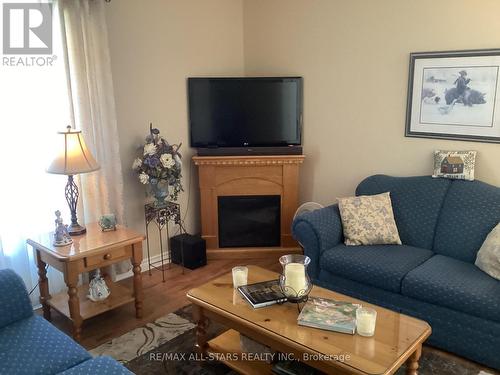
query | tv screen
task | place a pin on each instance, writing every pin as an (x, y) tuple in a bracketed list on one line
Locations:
[(240, 112)]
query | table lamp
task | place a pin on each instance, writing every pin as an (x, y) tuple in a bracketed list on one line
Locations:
[(73, 157)]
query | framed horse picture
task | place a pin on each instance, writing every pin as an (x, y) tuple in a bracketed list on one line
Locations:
[(454, 95)]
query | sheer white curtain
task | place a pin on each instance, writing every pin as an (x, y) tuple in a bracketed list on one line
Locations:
[(92, 97), (34, 106)]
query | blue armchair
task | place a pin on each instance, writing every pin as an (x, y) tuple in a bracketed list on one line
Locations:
[(31, 345)]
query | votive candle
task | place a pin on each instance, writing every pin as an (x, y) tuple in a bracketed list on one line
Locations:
[(240, 276), (365, 321)]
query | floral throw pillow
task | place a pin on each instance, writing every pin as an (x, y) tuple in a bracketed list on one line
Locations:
[(368, 220), (488, 257), (454, 164)]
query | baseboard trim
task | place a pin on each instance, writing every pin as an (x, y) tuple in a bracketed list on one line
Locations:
[(144, 268)]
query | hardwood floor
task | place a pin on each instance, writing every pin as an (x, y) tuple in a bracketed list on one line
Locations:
[(160, 298)]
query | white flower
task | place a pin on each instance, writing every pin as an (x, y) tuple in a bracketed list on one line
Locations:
[(137, 163), (149, 149), (144, 178), (167, 161)]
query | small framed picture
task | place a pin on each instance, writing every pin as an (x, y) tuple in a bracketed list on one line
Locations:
[(454, 95), (107, 222)]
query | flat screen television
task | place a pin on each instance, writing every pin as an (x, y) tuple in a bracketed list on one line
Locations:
[(247, 113)]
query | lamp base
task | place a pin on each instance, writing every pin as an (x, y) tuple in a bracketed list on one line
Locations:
[(76, 229), (71, 193)]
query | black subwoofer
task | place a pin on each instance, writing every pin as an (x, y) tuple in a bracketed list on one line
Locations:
[(193, 247)]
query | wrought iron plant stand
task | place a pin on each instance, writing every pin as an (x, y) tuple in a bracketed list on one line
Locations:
[(161, 217)]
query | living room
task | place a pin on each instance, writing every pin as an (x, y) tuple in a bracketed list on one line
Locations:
[(118, 71)]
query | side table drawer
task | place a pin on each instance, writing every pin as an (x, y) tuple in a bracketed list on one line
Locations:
[(108, 257)]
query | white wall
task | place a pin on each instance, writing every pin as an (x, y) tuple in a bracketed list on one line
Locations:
[(354, 58), (155, 45)]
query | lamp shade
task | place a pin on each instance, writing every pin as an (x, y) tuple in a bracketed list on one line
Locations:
[(73, 156)]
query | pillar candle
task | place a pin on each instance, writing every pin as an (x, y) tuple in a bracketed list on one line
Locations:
[(295, 278)]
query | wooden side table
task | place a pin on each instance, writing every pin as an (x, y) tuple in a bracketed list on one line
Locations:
[(95, 249)]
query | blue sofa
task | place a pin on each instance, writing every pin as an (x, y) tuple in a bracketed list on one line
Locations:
[(31, 345), (442, 224)]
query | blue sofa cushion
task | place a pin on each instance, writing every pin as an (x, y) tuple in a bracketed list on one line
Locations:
[(455, 284), (14, 301), (34, 346), (469, 336), (416, 202), (99, 365), (470, 211), (383, 266)]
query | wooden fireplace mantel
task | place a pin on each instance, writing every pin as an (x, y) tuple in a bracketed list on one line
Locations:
[(248, 160), (248, 175)]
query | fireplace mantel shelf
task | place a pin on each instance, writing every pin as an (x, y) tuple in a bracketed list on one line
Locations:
[(248, 175), (248, 160)]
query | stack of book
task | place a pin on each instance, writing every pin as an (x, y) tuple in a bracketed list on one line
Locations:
[(329, 314), (262, 294)]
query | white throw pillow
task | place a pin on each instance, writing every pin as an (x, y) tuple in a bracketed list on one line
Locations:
[(488, 256), (368, 220)]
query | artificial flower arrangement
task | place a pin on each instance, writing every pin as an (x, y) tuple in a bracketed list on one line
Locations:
[(159, 166)]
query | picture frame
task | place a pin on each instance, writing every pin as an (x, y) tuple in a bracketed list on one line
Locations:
[(454, 95), (107, 222)]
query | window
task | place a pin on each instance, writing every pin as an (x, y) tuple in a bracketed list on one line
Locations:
[(34, 105)]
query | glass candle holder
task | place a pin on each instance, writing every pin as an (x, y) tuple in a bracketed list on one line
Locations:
[(240, 276), (366, 319), (294, 280)]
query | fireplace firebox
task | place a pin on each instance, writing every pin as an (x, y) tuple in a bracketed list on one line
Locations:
[(249, 221)]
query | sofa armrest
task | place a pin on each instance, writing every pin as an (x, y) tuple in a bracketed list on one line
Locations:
[(318, 231), (14, 300)]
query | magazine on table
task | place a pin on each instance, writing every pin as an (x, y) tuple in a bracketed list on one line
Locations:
[(262, 294), (328, 314)]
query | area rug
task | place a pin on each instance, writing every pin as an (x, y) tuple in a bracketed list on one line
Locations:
[(141, 340), (165, 347)]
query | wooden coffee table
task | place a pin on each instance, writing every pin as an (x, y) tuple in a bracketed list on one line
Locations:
[(398, 338)]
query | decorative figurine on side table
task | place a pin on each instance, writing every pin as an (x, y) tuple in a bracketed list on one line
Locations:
[(61, 235), (98, 290)]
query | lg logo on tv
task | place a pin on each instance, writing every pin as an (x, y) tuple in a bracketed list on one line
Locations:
[(27, 29)]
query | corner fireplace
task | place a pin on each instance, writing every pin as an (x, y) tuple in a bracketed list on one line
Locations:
[(228, 185), (249, 220)]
